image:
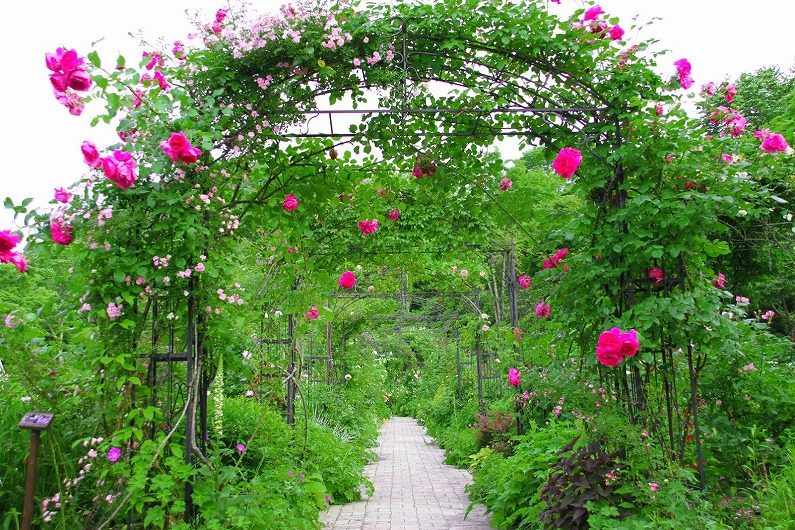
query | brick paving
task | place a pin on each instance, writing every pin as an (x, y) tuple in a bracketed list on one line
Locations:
[(414, 490)]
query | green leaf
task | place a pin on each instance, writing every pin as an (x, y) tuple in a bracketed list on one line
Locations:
[(93, 58)]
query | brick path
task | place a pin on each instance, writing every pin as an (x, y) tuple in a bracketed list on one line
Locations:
[(414, 490)]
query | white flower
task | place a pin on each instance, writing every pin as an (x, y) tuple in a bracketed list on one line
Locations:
[(358, 267), (742, 213), (482, 274), (484, 316), (788, 217), (347, 377), (485, 327), (277, 313), (249, 393), (246, 355), (25, 399)]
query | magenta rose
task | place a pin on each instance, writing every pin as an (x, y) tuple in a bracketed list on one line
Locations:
[(90, 154), (616, 32), (368, 226), (113, 454), (121, 169), (608, 347), (8, 240), (774, 143), (567, 162), (655, 274), (61, 195), (290, 203), (629, 343), (683, 69), (347, 280), (542, 310), (60, 232), (393, 214), (525, 281), (513, 377)]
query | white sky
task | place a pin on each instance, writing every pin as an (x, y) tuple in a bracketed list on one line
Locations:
[(40, 141)]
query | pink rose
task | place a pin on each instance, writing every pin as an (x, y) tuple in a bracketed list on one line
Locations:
[(629, 343), (178, 141), (313, 313), (290, 203), (90, 154), (513, 377), (655, 274), (720, 281), (179, 148), (347, 280), (393, 214), (567, 161), (592, 13), (8, 240), (616, 32), (368, 226), (542, 310), (71, 101), (19, 261), (708, 89), (61, 233), (79, 80), (731, 92), (608, 348), (113, 454), (683, 69), (120, 168), (774, 143), (525, 281), (614, 345), (506, 184), (113, 311), (61, 195)]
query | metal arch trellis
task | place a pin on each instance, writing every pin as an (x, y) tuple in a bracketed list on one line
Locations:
[(577, 117), (526, 95)]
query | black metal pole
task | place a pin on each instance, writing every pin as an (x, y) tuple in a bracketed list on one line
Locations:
[(481, 404), (291, 373), (694, 405), (190, 430)]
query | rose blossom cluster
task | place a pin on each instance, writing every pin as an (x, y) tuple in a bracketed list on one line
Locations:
[(525, 281), (9, 240), (60, 232), (557, 257), (368, 226), (313, 313), (68, 75), (683, 69), (179, 149), (600, 26), (615, 344), (120, 168)]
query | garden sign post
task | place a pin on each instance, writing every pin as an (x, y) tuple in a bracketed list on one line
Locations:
[(35, 422)]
